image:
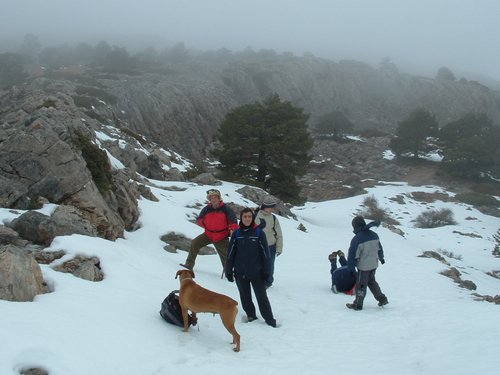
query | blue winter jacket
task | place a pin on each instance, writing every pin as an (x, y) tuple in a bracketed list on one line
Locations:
[(248, 254), (343, 279), (365, 250)]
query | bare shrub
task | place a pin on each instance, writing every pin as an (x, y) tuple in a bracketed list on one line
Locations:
[(496, 249), (430, 197), (435, 218), (373, 211), (450, 254)]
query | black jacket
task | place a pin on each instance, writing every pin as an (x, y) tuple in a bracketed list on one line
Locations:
[(248, 254)]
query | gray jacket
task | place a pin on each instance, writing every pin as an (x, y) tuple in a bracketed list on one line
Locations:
[(365, 250), (272, 229)]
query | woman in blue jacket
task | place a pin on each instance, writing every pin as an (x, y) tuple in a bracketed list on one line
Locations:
[(249, 263)]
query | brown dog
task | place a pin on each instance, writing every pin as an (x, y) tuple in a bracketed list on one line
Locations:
[(197, 299)]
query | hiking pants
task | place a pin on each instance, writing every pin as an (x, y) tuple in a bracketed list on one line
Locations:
[(202, 240), (367, 279), (259, 288)]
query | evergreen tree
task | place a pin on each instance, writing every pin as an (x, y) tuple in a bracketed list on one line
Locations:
[(445, 74), (470, 147), (334, 124), (30, 47), (11, 69), (412, 134), (267, 144)]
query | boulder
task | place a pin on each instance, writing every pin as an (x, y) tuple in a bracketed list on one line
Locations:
[(20, 275), (87, 268), (177, 241), (41, 229), (10, 236), (35, 227), (70, 220)]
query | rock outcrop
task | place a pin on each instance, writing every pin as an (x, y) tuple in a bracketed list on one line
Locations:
[(20, 275), (41, 161), (181, 107)]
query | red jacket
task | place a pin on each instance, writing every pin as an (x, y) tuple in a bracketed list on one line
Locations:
[(218, 222)]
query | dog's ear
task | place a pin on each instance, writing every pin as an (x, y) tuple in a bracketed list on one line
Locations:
[(178, 273), (192, 273)]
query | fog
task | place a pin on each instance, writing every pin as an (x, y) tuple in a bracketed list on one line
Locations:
[(419, 36)]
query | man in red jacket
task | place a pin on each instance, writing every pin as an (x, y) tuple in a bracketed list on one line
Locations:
[(219, 221)]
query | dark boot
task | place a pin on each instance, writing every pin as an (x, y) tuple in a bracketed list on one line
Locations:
[(353, 306)]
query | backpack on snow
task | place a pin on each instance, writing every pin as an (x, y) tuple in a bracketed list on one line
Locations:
[(171, 310)]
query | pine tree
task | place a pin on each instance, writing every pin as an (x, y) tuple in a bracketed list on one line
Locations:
[(470, 147), (412, 134), (266, 144), (333, 124)]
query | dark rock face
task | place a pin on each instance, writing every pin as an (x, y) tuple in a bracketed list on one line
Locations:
[(183, 110), (39, 161)]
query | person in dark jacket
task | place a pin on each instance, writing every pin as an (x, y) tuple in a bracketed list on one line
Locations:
[(343, 281), (364, 254), (249, 263), (218, 220)]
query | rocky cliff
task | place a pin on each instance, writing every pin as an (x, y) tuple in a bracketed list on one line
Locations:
[(181, 106)]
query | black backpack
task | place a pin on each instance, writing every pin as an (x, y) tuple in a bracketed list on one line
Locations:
[(171, 310)]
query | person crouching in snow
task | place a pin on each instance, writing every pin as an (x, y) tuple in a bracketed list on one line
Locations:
[(364, 254), (343, 281)]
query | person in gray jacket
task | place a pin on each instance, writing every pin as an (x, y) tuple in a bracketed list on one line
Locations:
[(364, 254), (269, 223)]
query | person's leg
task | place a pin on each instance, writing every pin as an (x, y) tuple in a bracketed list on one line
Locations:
[(221, 248), (361, 285), (196, 244), (246, 297), (342, 260), (259, 288), (333, 266), (272, 253), (375, 289)]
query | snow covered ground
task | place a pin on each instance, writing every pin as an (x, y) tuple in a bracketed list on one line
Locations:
[(431, 326)]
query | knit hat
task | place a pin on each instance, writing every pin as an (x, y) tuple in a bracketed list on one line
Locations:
[(358, 222), (268, 202), (213, 192)]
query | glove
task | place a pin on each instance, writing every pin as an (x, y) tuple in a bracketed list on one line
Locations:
[(382, 260), (230, 277), (265, 277)]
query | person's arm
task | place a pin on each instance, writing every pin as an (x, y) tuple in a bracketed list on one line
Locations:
[(232, 222), (266, 256), (351, 255), (201, 217), (381, 253), (279, 236)]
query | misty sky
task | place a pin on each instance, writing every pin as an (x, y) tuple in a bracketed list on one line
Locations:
[(418, 35)]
